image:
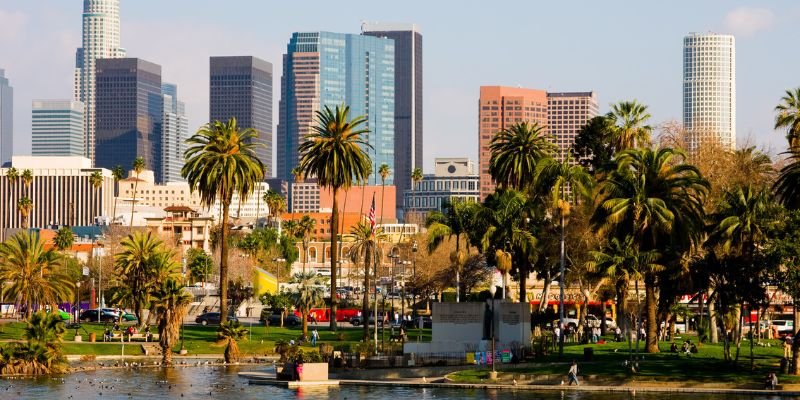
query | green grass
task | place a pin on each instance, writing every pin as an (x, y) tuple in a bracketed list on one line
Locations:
[(200, 339), (707, 366)]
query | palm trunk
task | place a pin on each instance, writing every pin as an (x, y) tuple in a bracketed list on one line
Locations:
[(545, 291), (622, 300), (223, 263), (304, 315), (365, 304), (713, 334), (652, 319), (334, 259), (133, 203)]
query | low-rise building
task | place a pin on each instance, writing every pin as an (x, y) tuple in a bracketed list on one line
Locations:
[(454, 179), (185, 226)]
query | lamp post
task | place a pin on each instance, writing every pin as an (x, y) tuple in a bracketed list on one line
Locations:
[(492, 290), (414, 270), (403, 287)]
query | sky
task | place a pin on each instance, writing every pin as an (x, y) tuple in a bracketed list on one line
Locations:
[(622, 50)]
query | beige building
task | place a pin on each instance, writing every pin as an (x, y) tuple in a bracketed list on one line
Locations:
[(567, 113), (185, 225), (61, 193)]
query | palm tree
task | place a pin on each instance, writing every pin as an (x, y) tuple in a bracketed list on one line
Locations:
[(568, 183), (64, 238), (629, 118), (32, 274), (171, 303), (453, 221), (221, 161), (43, 351), (276, 205), (138, 167), (12, 174), (787, 187), (753, 166), (416, 177), (305, 227), (230, 333), (27, 180), (788, 117), (334, 154), (516, 151), (25, 206), (364, 183), (143, 264), (656, 198), (383, 171), (299, 177), (365, 249), (308, 295), (117, 173)]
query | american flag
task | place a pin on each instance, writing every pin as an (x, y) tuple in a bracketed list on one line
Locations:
[(371, 215)]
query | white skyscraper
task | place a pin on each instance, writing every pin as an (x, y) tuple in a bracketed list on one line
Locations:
[(709, 88), (100, 40), (175, 131)]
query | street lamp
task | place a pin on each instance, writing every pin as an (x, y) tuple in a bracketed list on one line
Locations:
[(493, 290), (403, 284), (414, 270)]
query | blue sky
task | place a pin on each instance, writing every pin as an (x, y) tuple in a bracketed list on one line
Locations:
[(620, 49)]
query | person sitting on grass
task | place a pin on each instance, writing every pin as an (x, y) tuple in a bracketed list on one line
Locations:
[(771, 383), (673, 348), (107, 336)]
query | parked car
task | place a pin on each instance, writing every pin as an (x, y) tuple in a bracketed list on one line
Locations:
[(105, 316), (211, 318), (358, 320), (275, 319)]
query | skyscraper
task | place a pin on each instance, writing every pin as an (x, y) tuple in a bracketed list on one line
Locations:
[(709, 89), (129, 114), (100, 39), (499, 107), (6, 119), (330, 69), (241, 87), (57, 128), (407, 99), (567, 113), (175, 131)]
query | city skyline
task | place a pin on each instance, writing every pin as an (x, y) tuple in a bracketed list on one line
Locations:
[(45, 56)]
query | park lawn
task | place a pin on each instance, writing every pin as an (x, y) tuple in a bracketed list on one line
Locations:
[(707, 366), (200, 339)]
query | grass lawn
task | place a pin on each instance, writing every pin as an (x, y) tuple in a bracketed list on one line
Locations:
[(707, 366), (202, 339)]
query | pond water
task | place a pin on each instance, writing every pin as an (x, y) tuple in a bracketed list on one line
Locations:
[(218, 382)]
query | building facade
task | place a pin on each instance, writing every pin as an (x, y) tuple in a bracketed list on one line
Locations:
[(407, 99), (454, 179), (129, 114), (100, 39), (567, 113), (183, 226), (308, 197), (330, 69), (709, 89), (241, 87), (499, 107), (57, 128), (175, 128), (6, 119), (61, 193)]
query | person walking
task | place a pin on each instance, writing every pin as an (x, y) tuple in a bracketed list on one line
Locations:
[(314, 337), (573, 374)]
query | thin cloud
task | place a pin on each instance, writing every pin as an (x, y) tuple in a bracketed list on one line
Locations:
[(747, 21), (11, 24)]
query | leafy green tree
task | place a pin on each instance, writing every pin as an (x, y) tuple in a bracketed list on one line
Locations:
[(516, 152), (657, 198), (64, 238), (32, 275), (230, 333), (239, 292), (137, 167), (199, 264), (788, 117), (630, 131), (334, 154), (365, 250), (454, 221), (307, 296), (221, 160), (593, 147), (278, 301), (171, 304)]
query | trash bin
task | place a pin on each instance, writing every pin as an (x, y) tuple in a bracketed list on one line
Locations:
[(92, 337), (588, 353)]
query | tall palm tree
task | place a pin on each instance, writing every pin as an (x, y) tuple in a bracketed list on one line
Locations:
[(657, 198), (305, 227), (364, 183), (138, 167), (32, 274), (27, 180), (299, 177), (25, 207), (308, 295), (568, 183), (334, 154), (365, 249), (231, 333), (383, 171), (96, 180), (788, 117), (454, 220), (742, 221), (629, 118), (220, 161), (117, 173), (276, 205), (171, 303), (416, 177), (64, 238), (516, 151)]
